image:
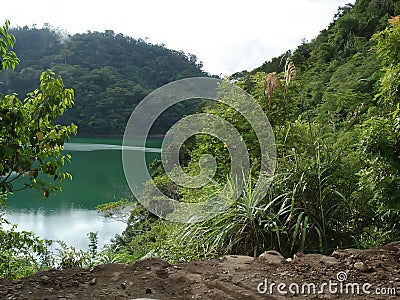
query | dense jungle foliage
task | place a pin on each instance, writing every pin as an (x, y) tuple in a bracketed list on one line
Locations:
[(110, 73), (334, 107)]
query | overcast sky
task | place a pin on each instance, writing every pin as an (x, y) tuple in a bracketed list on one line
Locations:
[(227, 36)]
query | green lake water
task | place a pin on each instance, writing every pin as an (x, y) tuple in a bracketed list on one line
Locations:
[(98, 177)]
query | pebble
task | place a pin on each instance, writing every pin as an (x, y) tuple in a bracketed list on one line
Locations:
[(359, 265), (272, 257), (338, 254), (328, 260)]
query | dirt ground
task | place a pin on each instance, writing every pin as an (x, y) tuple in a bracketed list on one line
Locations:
[(346, 274)]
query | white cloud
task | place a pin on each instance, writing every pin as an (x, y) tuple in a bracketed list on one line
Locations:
[(228, 36)]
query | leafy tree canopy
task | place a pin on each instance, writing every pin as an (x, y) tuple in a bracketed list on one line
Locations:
[(110, 73), (30, 142)]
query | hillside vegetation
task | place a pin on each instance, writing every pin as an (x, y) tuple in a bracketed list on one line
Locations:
[(333, 104), (110, 74)]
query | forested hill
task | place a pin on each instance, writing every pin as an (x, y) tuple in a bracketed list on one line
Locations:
[(337, 73), (109, 72)]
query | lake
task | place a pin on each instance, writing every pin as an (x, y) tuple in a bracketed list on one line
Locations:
[(98, 178)]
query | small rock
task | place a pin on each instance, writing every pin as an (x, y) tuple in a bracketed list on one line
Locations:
[(148, 268), (328, 260), (297, 256), (123, 285), (193, 277), (272, 257), (338, 254), (360, 266), (363, 267), (148, 291), (92, 281), (284, 273), (238, 259)]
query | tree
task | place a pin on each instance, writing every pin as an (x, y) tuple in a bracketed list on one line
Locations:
[(30, 143), (110, 73), (381, 135)]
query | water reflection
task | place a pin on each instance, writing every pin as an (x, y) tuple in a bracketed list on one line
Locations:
[(70, 225), (98, 177)]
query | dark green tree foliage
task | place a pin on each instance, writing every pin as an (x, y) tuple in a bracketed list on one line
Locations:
[(110, 73), (30, 142), (30, 148), (381, 137)]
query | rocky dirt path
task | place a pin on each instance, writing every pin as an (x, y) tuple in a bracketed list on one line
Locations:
[(374, 274)]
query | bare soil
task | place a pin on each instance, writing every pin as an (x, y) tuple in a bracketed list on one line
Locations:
[(229, 277)]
